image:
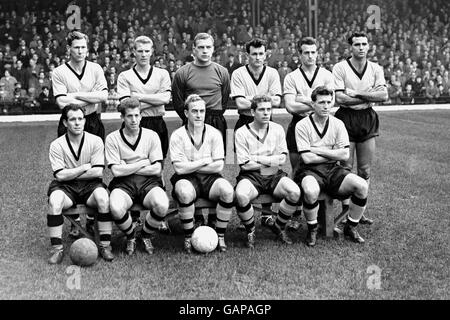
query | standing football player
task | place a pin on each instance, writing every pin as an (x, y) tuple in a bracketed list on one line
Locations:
[(359, 84)]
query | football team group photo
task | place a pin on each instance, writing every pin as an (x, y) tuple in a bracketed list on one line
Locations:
[(224, 149)]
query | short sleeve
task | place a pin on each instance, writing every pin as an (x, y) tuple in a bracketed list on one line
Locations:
[(302, 136), (217, 149), (100, 80), (342, 139), (58, 85), (123, 89), (56, 156), (329, 80), (338, 76), (289, 85), (274, 84), (176, 151), (155, 152), (98, 153), (281, 141), (379, 77), (241, 146), (165, 84), (237, 85), (112, 153)]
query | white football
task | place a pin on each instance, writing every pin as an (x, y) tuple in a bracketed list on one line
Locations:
[(204, 239)]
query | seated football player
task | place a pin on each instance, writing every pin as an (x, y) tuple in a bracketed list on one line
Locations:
[(261, 151), (77, 160), (134, 156), (323, 143), (197, 154)]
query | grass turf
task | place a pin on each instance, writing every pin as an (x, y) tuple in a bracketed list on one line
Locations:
[(409, 241)]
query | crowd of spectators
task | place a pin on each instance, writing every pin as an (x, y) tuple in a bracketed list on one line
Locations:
[(411, 44)]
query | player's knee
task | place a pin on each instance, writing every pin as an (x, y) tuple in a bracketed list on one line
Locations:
[(102, 200), (226, 192), (161, 207), (311, 193), (117, 208), (56, 202), (361, 188), (293, 194), (184, 195), (242, 199)]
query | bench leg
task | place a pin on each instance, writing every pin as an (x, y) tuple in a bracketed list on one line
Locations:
[(96, 232), (326, 217)]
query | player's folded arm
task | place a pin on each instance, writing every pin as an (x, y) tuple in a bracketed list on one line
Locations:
[(96, 171), (154, 169), (216, 166), (340, 154), (126, 169)]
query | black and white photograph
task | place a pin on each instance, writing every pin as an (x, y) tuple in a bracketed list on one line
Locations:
[(222, 158)]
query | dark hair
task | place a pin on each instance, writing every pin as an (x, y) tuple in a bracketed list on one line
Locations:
[(258, 99), (308, 41), (75, 35), (71, 107), (321, 91), (128, 103), (356, 35), (255, 43), (192, 98)]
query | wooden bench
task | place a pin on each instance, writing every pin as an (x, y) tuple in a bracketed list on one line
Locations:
[(326, 217)]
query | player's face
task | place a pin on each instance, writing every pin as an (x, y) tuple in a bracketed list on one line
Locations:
[(203, 50), (262, 112), (322, 105), (132, 118), (308, 55), (78, 50), (257, 56), (143, 52), (75, 122), (360, 47), (196, 113)]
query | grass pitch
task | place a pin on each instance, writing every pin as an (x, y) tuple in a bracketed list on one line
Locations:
[(408, 244)]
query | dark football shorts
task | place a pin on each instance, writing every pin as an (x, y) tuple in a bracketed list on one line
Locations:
[(264, 184), (290, 134), (158, 125), (216, 119), (202, 183), (136, 186), (361, 125), (243, 120), (93, 125), (78, 191), (328, 175)]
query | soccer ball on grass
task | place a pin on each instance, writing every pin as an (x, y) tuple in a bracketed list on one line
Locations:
[(83, 252), (204, 239)]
